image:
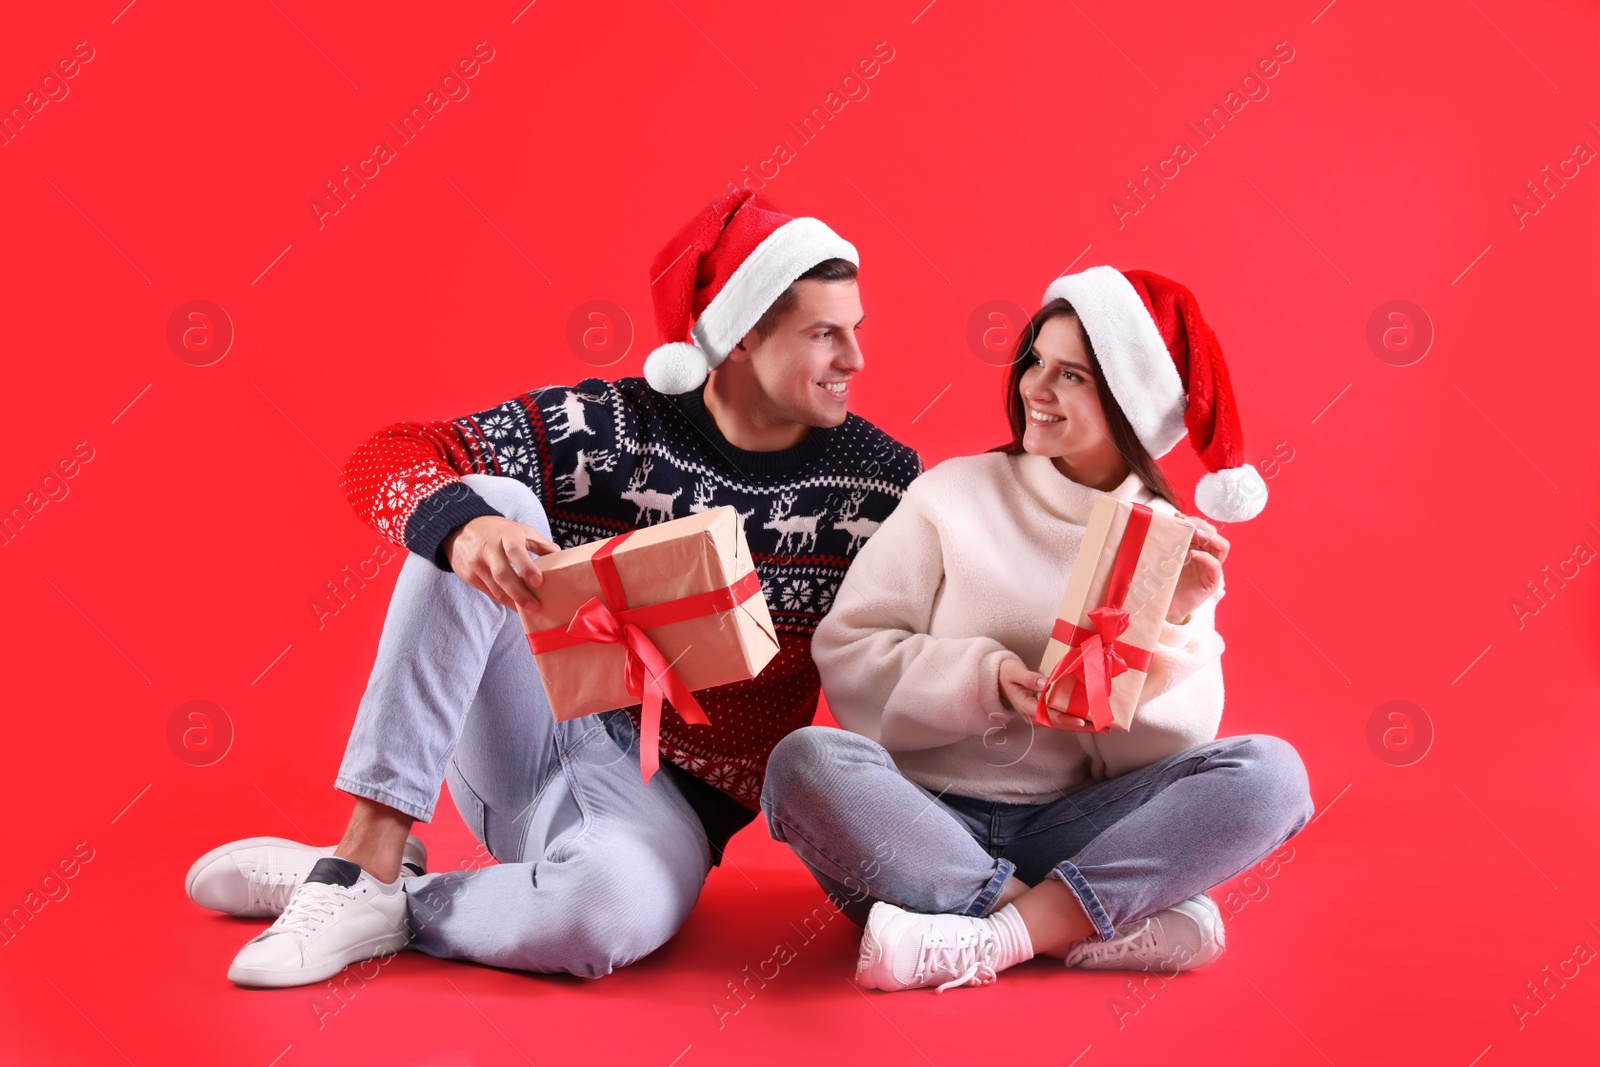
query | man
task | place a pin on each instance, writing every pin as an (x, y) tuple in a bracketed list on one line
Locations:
[(596, 868)]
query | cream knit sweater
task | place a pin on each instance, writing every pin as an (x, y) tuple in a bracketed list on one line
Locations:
[(967, 571)]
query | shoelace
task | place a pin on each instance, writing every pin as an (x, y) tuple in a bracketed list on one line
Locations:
[(271, 890), (1134, 941), (971, 959), (311, 905)]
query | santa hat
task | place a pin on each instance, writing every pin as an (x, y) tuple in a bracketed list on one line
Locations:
[(1164, 366), (721, 273)]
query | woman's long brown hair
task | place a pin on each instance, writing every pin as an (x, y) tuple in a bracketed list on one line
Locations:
[(1126, 442)]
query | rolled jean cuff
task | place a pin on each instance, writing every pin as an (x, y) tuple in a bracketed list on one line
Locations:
[(984, 902), (420, 812), (1074, 880)]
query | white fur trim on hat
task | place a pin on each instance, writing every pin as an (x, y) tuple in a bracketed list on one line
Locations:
[(676, 367), (1132, 355), (1232, 495), (774, 264)]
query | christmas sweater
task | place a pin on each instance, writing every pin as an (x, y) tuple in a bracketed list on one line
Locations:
[(609, 456)]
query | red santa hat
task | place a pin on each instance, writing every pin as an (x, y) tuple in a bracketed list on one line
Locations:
[(721, 272), (1164, 366)]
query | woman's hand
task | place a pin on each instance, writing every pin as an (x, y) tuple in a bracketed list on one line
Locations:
[(1020, 686), (1202, 570), (494, 555)]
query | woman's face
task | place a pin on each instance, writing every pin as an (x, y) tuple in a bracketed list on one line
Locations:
[(1063, 416)]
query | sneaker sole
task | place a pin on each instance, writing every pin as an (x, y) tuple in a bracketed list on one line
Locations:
[(255, 978)]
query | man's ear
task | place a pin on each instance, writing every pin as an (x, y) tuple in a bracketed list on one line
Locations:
[(740, 353)]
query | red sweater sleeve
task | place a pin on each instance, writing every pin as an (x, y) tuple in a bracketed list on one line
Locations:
[(404, 482)]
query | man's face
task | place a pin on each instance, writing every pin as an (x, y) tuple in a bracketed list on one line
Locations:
[(804, 368)]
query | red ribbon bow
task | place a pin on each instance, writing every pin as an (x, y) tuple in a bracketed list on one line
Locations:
[(1093, 661), (1095, 656), (648, 675)]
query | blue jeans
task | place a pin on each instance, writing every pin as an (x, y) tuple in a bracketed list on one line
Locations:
[(596, 868), (1126, 847)]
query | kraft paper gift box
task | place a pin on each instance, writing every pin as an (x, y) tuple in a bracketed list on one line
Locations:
[(1111, 615), (651, 614)]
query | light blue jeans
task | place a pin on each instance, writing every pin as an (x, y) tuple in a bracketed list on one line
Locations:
[(596, 869), (1126, 847)]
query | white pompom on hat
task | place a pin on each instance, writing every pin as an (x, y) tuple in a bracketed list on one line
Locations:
[(721, 273), (1164, 365)]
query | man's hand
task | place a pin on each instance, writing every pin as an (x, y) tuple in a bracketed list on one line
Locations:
[(494, 555), (1202, 571)]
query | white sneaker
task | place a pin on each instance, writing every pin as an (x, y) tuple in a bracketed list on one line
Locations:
[(338, 916), (253, 878), (1181, 938), (906, 950)]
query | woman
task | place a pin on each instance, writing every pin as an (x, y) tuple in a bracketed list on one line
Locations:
[(977, 839)]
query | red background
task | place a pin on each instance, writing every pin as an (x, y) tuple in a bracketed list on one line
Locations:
[(1419, 500)]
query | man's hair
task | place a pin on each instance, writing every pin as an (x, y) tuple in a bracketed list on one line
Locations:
[(829, 270)]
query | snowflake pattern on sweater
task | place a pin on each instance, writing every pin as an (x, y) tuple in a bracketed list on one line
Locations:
[(608, 456)]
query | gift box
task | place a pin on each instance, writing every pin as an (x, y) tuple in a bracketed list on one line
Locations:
[(1111, 615), (650, 615)]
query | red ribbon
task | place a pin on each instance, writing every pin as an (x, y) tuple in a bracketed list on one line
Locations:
[(1094, 655), (607, 619)]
